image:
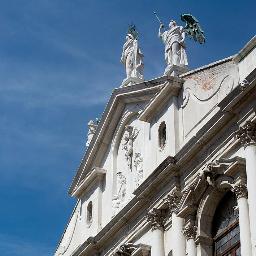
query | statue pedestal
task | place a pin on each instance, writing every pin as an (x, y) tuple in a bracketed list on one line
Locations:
[(131, 81), (174, 70)]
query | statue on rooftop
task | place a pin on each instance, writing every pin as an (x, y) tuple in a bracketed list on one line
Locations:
[(92, 127), (132, 57), (174, 41)]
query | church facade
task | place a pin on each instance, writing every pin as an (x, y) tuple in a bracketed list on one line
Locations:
[(170, 169)]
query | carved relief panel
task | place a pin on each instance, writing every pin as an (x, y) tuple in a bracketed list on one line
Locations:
[(129, 165)]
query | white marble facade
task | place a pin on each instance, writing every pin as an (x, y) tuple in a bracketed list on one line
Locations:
[(165, 155)]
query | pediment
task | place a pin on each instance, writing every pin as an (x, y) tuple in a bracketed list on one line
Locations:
[(124, 103)]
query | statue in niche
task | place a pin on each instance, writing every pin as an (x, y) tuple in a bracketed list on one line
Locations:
[(138, 166), (92, 127), (130, 135), (119, 198), (132, 57)]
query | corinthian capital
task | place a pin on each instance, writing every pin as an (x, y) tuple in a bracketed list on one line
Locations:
[(247, 134), (173, 201), (189, 231), (240, 190), (157, 218)]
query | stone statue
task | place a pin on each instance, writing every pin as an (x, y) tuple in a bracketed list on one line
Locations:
[(132, 57), (173, 39), (119, 198), (129, 136), (92, 126), (138, 165)]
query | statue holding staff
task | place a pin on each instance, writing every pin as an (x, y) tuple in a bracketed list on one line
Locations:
[(174, 41)]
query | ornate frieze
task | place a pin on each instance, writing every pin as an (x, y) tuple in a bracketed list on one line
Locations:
[(240, 190), (157, 218), (247, 134)]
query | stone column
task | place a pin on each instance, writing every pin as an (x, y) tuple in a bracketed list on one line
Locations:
[(247, 136), (179, 241), (190, 234), (157, 219), (245, 235)]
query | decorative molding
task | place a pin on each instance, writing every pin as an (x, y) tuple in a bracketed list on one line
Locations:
[(247, 134), (240, 190), (96, 173), (206, 84), (157, 218)]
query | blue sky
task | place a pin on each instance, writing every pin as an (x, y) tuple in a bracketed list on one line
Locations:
[(59, 62)]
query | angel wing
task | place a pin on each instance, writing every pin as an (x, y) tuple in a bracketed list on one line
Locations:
[(192, 28)]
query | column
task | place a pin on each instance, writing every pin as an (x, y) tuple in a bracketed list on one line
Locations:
[(157, 219), (190, 234), (247, 136), (245, 235), (179, 240)]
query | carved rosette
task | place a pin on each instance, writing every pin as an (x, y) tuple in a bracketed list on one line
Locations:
[(189, 231), (173, 201), (240, 190), (157, 218), (247, 134)]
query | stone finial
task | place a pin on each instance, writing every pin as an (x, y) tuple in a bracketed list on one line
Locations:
[(247, 134), (240, 190), (157, 218)]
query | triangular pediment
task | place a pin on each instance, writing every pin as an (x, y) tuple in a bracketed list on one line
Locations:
[(123, 103)]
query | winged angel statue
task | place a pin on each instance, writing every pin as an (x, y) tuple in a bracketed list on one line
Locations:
[(174, 39)]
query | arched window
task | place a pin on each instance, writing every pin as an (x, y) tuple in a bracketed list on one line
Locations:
[(225, 228), (162, 135), (89, 213)]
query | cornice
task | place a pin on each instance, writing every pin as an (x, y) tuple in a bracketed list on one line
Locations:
[(171, 88), (96, 174), (245, 50)]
